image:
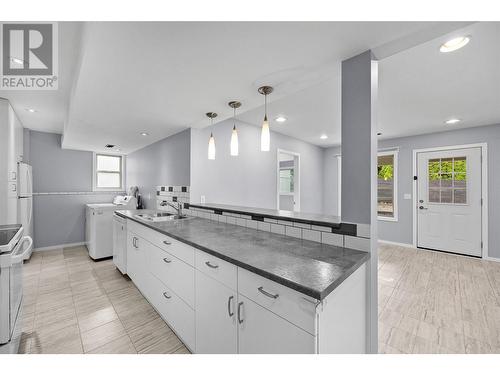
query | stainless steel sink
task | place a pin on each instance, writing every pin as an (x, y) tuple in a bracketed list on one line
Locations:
[(160, 216)]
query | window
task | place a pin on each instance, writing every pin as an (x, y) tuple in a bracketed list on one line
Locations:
[(108, 172), (286, 181), (448, 180), (387, 185)]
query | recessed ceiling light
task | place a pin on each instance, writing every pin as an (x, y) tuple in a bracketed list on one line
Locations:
[(452, 121), (144, 134), (15, 60), (323, 136), (280, 119), (31, 110), (454, 44)]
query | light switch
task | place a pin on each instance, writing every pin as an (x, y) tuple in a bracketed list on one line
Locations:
[(407, 196)]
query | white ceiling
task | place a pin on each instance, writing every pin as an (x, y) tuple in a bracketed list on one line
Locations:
[(162, 77)]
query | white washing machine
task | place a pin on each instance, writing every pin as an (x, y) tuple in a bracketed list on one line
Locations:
[(99, 225)]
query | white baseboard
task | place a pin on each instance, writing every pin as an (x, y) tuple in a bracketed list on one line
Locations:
[(47, 248), (408, 245), (492, 259)]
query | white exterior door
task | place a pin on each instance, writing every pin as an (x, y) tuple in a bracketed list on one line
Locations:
[(449, 201), (216, 330)]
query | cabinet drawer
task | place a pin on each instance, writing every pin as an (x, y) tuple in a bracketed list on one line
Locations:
[(219, 269), (174, 247), (285, 302), (176, 313), (173, 272)]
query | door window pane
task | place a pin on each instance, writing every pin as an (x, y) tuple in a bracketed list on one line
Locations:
[(286, 181), (448, 180)]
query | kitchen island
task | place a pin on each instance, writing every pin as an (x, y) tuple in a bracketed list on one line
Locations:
[(224, 288)]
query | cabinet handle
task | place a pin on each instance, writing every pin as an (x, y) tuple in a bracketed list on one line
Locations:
[(267, 294), (166, 260), (239, 312), (229, 306), (167, 243), (211, 265), (166, 295), (133, 242)]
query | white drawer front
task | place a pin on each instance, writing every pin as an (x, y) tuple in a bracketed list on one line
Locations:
[(174, 247), (173, 272), (219, 269), (293, 306), (176, 313)]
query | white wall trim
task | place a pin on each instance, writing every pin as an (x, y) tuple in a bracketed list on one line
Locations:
[(408, 245), (55, 247), (484, 189), (492, 259)]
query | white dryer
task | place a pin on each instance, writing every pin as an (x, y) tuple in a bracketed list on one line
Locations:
[(99, 225)]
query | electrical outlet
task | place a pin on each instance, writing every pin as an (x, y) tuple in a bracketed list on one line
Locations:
[(202, 199)]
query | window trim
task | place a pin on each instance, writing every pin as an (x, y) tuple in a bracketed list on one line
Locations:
[(395, 154), (94, 172)]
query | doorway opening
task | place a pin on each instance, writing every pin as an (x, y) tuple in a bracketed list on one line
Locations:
[(288, 181)]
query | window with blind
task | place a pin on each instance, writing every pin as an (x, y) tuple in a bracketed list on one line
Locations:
[(108, 172)]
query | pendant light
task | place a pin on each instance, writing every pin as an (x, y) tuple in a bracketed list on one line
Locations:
[(265, 136), (234, 135), (211, 140)]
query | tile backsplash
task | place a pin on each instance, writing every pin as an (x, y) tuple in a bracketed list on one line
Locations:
[(179, 194)]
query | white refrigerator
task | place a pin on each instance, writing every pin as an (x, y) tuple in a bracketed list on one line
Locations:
[(25, 195)]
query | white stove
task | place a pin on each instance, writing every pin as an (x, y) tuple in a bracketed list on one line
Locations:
[(13, 249)]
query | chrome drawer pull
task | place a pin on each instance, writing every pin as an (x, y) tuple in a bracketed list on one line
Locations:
[(211, 265), (239, 312), (267, 294), (166, 260), (229, 306), (166, 295), (167, 243)]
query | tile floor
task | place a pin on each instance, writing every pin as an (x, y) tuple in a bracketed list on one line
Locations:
[(433, 302), (75, 305), (429, 302)]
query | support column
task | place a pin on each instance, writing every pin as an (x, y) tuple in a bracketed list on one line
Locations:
[(359, 167)]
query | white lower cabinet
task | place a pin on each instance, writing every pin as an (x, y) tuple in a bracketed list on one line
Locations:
[(216, 325), (217, 307), (260, 332)]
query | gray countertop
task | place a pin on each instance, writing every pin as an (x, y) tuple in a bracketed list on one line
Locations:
[(311, 268)]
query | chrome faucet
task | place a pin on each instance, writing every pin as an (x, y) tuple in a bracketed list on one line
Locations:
[(170, 204)]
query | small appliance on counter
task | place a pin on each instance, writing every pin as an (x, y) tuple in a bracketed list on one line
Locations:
[(14, 247), (99, 224)]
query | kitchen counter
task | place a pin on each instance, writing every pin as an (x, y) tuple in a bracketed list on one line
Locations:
[(307, 218), (312, 268)]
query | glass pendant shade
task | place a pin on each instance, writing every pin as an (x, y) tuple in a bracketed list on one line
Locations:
[(211, 147), (265, 136), (234, 142)]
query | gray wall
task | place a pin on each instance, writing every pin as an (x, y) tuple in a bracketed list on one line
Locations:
[(165, 162), (401, 231), (250, 178), (60, 219)]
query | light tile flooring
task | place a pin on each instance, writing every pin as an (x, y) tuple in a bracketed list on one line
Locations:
[(75, 305), (429, 302), (433, 302)]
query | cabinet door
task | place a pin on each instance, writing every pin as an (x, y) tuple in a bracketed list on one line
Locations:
[(119, 245), (135, 259), (262, 332), (216, 330)]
